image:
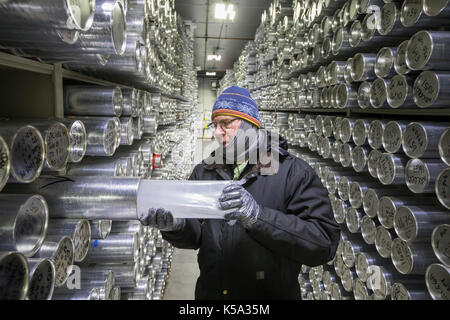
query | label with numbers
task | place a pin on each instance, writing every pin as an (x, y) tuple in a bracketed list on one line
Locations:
[(370, 203), (359, 132), (29, 152), (110, 138), (444, 147), (437, 282), (388, 18), (81, 240), (359, 159), (77, 142), (57, 142), (378, 93), (352, 220), (386, 169), (419, 50), (361, 266), (399, 292), (416, 175), (400, 59), (443, 187), (372, 163), (63, 259), (441, 243), (414, 140), (12, 277), (426, 89), (346, 155), (412, 13), (398, 90), (348, 255), (355, 195), (41, 282), (401, 256), (360, 290), (31, 220)]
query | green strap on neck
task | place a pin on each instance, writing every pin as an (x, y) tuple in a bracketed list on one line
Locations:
[(239, 169)]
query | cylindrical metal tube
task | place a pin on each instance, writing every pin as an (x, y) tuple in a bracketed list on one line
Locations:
[(116, 248), (362, 263), (42, 279), (440, 241), (372, 164), (78, 230), (24, 222), (62, 293), (388, 205), (432, 89), (14, 272), (26, 151), (427, 51), (368, 229), (384, 64), (383, 242), (79, 197), (5, 162), (126, 131), (93, 101), (99, 278), (364, 94), (421, 139), (357, 191), (353, 220), (60, 251), (400, 59), (437, 277), (101, 135), (363, 67), (57, 144), (77, 139), (360, 290), (391, 169), (417, 222), (392, 135), (411, 258), (421, 175), (435, 7), (378, 93), (53, 13), (351, 249), (375, 136), (400, 92), (442, 187), (100, 229), (444, 147), (95, 166), (125, 275), (415, 291)]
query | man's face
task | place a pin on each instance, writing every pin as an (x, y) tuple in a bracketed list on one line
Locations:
[(226, 128)]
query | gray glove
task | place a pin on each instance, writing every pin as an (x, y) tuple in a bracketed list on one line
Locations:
[(235, 196), (161, 219)]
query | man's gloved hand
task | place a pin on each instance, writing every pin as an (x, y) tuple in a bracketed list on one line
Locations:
[(235, 196), (161, 219)]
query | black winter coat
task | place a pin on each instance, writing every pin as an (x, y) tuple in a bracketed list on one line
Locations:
[(295, 226)]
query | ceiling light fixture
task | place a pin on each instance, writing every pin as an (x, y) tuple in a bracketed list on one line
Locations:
[(223, 11), (211, 74), (214, 57)]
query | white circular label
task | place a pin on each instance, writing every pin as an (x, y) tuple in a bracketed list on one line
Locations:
[(63, 258), (397, 91), (81, 241), (77, 141), (383, 242), (419, 50), (386, 212), (368, 230), (376, 129), (392, 137), (437, 282), (416, 175), (28, 153), (401, 256), (41, 282), (378, 93), (426, 89)]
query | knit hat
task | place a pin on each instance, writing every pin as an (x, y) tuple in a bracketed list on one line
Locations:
[(237, 102)]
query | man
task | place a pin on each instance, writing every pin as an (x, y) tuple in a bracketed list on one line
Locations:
[(279, 221)]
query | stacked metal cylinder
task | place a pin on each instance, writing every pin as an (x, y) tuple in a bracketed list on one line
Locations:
[(386, 172), (69, 186)]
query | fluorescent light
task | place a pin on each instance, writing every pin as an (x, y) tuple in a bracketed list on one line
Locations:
[(214, 57), (211, 74), (223, 11)]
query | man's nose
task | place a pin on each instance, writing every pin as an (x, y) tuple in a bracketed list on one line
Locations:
[(219, 131)]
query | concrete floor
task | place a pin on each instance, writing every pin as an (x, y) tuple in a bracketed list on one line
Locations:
[(183, 275)]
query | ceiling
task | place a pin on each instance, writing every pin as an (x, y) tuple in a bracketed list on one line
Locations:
[(230, 36)]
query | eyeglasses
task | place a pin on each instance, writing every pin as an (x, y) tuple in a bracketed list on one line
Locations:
[(224, 124)]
